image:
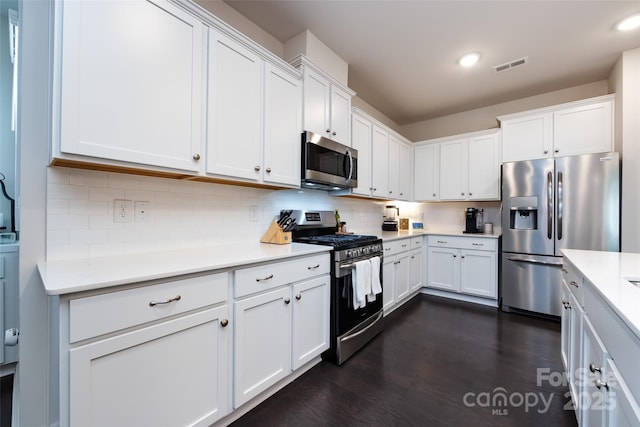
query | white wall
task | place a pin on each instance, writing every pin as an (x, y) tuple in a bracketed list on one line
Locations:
[(625, 81)]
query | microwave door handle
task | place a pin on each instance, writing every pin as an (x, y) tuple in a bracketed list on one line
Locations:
[(549, 205), (350, 165), (560, 205)]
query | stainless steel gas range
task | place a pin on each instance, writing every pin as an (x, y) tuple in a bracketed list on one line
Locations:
[(352, 326)]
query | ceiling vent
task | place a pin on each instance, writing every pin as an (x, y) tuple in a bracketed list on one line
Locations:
[(511, 64)]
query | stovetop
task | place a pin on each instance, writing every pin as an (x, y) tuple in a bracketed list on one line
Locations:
[(338, 241)]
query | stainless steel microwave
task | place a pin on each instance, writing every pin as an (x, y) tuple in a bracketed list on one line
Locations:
[(326, 164)]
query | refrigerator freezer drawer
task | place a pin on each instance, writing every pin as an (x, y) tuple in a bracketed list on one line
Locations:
[(532, 283)]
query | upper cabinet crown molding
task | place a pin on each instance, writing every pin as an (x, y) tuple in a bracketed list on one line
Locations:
[(557, 107), (303, 61)]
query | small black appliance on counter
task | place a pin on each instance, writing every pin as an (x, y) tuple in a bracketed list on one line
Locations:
[(474, 220)]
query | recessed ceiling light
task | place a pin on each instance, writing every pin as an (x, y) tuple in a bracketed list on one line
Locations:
[(630, 23), (469, 59)]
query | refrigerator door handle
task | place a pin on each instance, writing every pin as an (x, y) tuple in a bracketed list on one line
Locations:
[(550, 205), (535, 261), (560, 205)]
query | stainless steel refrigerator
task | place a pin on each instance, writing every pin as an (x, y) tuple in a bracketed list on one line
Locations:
[(548, 205)]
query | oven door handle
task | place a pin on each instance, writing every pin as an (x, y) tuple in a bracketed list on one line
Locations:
[(350, 337)]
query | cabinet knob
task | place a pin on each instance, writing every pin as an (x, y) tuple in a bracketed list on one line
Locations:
[(593, 368), (268, 170), (402, 194), (557, 150), (333, 133), (298, 297), (564, 270), (455, 256), (390, 192), (287, 300), (328, 130), (573, 283), (434, 194), (375, 189), (461, 256), (599, 384), (471, 194), (196, 156), (257, 169), (545, 151), (224, 323), (462, 194)]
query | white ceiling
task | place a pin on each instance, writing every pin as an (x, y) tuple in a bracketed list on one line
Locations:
[(403, 55)]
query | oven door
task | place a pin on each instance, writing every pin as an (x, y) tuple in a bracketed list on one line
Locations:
[(352, 328), (327, 164)]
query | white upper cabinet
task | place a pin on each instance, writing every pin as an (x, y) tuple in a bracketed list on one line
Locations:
[(462, 167), (234, 117), (404, 172), (393, 157), (579, 127), (380, 162), (361, 134), (426, 172), (282, 127), (129, 89), (327, 103)]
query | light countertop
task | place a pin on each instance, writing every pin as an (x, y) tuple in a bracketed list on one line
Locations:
[(63, 277), (608, 272), (403, 234)]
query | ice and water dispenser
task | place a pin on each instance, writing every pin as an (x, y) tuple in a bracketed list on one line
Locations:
[(523, 213)]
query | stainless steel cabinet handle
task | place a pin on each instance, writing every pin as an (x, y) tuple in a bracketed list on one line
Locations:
[(593, 368), (268, 170), (298, 297), (167, 301), (313, 267), (599, 384), (224, 323), (404, 246), (477, 244), (264, 278), (441, 241), (257, 169), (287, 300), (196, 156)]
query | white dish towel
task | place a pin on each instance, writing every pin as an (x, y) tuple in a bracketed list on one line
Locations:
[(376, 286), (361, 279)]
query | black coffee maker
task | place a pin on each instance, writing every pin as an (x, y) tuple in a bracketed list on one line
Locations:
[(474, 220)]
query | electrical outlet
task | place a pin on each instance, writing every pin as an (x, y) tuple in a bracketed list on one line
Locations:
[(141, 211), (253, 213), (122, 210)]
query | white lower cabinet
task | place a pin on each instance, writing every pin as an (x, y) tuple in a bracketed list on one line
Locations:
[(281, 322), (466, 265), (154, 355), (601, 356), (402, 271)]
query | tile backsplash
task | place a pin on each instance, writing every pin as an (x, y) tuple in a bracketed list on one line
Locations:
[(181, 214)]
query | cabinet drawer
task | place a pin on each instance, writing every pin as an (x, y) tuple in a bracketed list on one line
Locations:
[(396, 246), (101, 314), (574, 281), (476, 243), (268, 276), (416, 242)]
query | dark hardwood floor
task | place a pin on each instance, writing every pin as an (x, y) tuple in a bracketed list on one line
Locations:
[(437, 363)]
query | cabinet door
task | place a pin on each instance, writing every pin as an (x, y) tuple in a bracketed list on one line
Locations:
[(234, 124), (575, 342), (380, 162), (317, 95), (484, 167), (623, 409), (340, 116), (401, 271), (426, 172), (453, 170), (388, 283), (262, 353), (593, 363), (282, 127), (582, 130), (361, 129), (415, 270), (565, 328), (527, 138), (444, 268), (404, 173), (131, 91), (478, 273), (310, 325), (393, 156), (136, 378)]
